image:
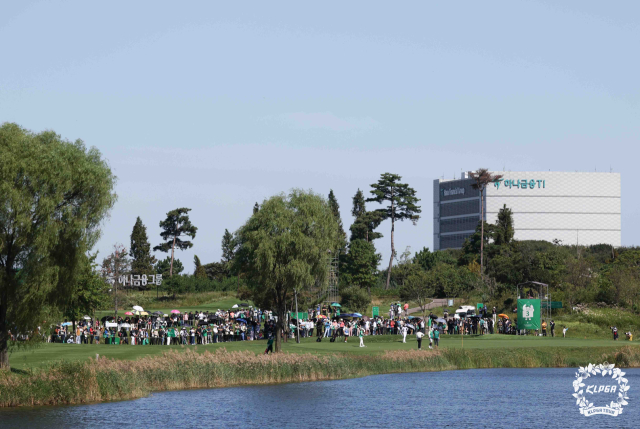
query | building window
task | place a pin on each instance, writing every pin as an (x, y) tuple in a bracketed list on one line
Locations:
[(453, 241), (459, 224), (461, 208)]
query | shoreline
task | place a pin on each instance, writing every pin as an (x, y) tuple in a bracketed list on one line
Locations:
[(91, 381)]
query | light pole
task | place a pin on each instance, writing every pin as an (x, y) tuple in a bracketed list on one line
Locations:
[(297, 318)]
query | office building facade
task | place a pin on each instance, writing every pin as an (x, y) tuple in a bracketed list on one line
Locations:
[(583, 208)]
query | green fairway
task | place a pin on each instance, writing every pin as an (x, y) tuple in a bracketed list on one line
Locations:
[(49, 353), (219, 302)]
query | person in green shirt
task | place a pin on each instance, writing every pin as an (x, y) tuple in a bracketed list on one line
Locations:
[(269, 345), (436, 336)]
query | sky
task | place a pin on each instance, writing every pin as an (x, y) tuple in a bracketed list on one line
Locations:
[(217, 105)]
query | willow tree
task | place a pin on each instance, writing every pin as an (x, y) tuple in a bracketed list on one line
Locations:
[(283, 247), (402, 205), (53, 196)]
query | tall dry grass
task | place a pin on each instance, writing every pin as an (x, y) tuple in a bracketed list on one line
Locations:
[(109, 379)]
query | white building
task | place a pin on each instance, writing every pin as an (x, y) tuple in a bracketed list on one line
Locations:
[(581, 208)]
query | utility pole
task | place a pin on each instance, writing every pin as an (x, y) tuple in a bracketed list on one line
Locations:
[(172, 248), (115, 269), (295, 291)]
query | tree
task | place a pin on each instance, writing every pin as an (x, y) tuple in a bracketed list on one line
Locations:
[(359, 204), (427, 259), (142, 261), (54, 195), (355, 299), (482, 178), (365, 222), (360, 266), (335, 209), (284, 246), (163, 267), (216, 270), (404, 268), (419, 288), (176, 225), (402, 205), (199, 270), (228, 247), (89, 291), (114, 266), (503, 232)]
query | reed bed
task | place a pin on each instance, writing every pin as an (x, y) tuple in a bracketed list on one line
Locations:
[(98, 380)]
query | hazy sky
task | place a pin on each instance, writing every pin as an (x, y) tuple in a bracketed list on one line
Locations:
[(217, 105)]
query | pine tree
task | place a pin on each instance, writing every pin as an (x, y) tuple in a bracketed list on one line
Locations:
[(359, 207), (199, 271), (164, 266), (402, 205), (175, 226), (366, 222), (142, 260), (228, 247), (503, 232), (360, 266), (335, 209)]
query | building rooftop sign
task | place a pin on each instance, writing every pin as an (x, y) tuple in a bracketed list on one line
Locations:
[(520, 183)]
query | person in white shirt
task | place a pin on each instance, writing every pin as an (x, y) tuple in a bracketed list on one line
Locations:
[(404, 333), (419, 336)]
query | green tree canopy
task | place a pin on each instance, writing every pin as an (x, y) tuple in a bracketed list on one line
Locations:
[(402, 205), (335, 209), (503, 232), (175, 226), (228, 247), (54, 195), (164, 266), (419, 287), (90, 290), (427, 259), (199, 270), (142, 261), (360, 265), (284, 246)]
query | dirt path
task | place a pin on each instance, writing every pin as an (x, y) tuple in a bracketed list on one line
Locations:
[(437, 302)]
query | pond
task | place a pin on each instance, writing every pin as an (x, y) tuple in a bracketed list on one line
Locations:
[(516, 398)]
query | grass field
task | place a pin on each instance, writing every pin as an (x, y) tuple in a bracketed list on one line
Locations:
[(208, 301), (49, 353)]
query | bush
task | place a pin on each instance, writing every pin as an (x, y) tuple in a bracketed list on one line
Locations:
[(355, 299), (243, 293)]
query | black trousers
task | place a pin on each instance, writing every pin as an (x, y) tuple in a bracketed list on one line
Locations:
[(419, 343)]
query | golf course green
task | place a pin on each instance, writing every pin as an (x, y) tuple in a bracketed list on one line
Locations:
[(49, 353)]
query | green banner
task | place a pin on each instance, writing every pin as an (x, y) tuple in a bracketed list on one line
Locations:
[(529, 314), (375, 311), (553, 304)]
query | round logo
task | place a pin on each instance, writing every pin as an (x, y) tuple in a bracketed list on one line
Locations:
[(592, 393)]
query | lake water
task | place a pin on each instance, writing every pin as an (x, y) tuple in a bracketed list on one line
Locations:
[(515, 398)]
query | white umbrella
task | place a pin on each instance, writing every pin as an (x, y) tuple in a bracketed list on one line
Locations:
[(87, 318), (235, 306), (138, 308)]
